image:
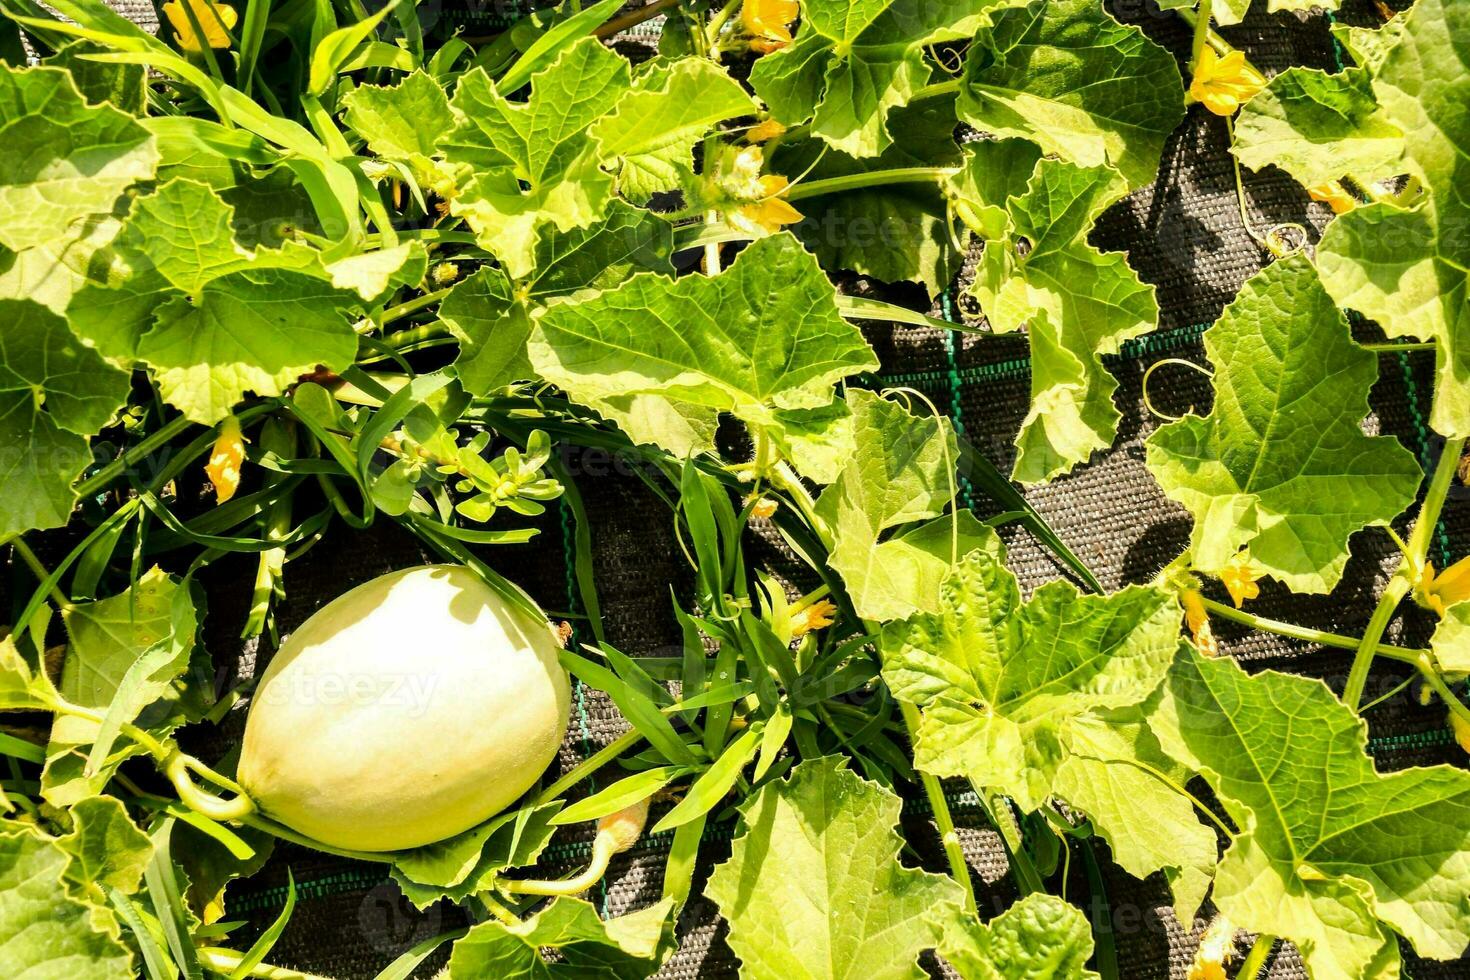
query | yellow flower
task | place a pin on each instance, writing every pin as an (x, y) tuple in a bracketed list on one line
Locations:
[(223, 468), (1448, 587), (813, 617), (768, 22), (1334, 195), (1216, 948), (1239, 580), (1223, 85), (767, 215), (215, 19), (762, 131), (758, 207), (1461, 728), (1199, 623)]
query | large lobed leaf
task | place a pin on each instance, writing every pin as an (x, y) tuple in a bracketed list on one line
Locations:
[(1076, 303), (54, 393), (901, 471), (491, 317), (1029, 700), (622, 948), (1410, 269), (1319, 127), (1332, 854), (61, 160), (762, 341), (813, 887), (1280, 467), (854, 63), (1084, 87), (44, 932)]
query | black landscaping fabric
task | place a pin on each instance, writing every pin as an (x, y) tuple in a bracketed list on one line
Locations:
[(1183, 234)]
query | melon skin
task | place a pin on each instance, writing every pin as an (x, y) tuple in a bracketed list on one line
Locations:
[(405, 711)]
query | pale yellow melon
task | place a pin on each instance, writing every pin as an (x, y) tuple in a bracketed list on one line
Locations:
[(409, 709)]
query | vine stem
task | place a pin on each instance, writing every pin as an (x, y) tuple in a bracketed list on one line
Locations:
[(227, 961), (1255, 960), (40, 571), (1409, 570), (1201, 34), (634, 17), (590, 765), (872, 178), (412, 306), (257, 822), (954, 852), (1306, 633), (937, 89), (166, 432), (717, 24)]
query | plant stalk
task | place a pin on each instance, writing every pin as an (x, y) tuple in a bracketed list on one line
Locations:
[(872, 178), (589, 765), (166, 432), (227, 961), (954, 852), (1255, 960), (1409, 570)]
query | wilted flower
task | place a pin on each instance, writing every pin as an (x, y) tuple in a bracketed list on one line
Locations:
[(763, 131), (1225, 84), (215, 19), (1334, 195), (1199, 623), (813, 617), (223, 468), (1216, 948), (761, 506)]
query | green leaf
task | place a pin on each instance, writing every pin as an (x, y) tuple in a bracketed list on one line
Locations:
[(54, 393), (1451, 641), (62, 160), (51, 273), (1041, 937), (1077, 303), (107, 639), (762, 341), (22, 687), (528, 164), (1117, 774), (209, 866), (901, 471), (813, 887), (852, 64), (402, 122), (897, 232), (492, 319), (1319, 127), (122, 85), (623, 948), (649, 138), (1067, 75), (256, 330), (1369, 46), (469, 863), (993, 710), (1281, 467), (1407, 269), (105, 850), (1332, 855), (43, 931)]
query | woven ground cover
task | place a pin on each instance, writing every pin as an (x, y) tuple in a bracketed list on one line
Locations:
[(1202, 235)]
